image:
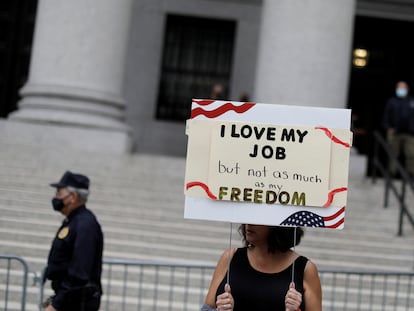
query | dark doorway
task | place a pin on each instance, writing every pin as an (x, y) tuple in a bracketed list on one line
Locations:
[(17, 19), (390, 59), (197, 54)]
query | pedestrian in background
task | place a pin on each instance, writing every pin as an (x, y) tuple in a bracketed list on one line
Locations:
[(217, 92), (75, 259), (398, 121)]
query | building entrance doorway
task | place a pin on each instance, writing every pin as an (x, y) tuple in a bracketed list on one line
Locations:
[(389, 57), (17, 18)]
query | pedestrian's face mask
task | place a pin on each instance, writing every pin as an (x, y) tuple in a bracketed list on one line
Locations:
[(59, 204), (401, 92)]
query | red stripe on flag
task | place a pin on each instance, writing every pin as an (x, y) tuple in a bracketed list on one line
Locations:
[(328, 218), (337, 224)]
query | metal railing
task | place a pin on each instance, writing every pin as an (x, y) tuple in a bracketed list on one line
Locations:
[(149, 285), (14, 274), (390, 183), (146, 285), (367, 290)]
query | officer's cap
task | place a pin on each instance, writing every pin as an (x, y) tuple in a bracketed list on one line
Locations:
[(70, 179)]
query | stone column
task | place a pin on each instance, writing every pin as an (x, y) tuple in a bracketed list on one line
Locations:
[(76, 73), (304, 52)]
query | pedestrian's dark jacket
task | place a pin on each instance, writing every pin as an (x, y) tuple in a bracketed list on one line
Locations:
[(75, 259), (399, 114)]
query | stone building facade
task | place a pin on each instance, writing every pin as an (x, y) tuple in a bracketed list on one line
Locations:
[(118, 75)]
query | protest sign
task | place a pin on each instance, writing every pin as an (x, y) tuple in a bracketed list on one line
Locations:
[(267, 164)]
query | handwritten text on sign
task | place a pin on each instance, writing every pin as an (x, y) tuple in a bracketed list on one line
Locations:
[(269, 164)]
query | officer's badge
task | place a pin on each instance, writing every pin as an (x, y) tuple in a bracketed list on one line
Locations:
[(63, 233)]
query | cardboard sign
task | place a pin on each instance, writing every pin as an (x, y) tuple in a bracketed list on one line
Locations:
[(267, 164)]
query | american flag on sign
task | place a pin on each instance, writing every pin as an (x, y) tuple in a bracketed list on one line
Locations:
[(309, 219)]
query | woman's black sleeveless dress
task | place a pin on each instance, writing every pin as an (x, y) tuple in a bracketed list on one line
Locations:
[(258, 291)]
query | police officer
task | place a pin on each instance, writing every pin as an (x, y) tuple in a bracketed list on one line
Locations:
[(75, 259)]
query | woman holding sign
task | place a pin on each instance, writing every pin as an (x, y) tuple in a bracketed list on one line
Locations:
[(266, 274)]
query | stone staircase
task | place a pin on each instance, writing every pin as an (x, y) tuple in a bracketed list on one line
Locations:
[(139, 201)]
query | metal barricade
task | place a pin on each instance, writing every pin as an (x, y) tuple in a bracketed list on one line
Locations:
[(14, 273), (367, 290), (148, 285)]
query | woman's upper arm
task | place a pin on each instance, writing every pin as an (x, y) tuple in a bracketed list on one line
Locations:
[(312, 288), (218, 275)]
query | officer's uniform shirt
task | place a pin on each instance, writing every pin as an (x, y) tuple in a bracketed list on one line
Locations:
[(75, 258)]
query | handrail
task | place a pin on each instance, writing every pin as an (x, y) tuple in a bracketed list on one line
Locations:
[(389, 181)]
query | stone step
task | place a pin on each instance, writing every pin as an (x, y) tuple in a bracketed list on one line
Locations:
[(186, 236), (147, 226), (139, 201)]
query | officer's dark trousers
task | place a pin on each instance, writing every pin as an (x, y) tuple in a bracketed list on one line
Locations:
[(87, 298), (91, 304)]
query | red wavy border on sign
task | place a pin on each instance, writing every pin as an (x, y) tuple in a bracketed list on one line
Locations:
[(333, 137), (331, 195), (202, 185), (221, 110), (203, 102)]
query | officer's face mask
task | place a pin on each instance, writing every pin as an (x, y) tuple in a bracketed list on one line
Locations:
[(401, 92), (59, 204)]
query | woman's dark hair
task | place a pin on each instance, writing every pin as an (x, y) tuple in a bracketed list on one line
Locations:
[(280, 238)]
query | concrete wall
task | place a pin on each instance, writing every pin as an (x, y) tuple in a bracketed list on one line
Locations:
[(144, 64)]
